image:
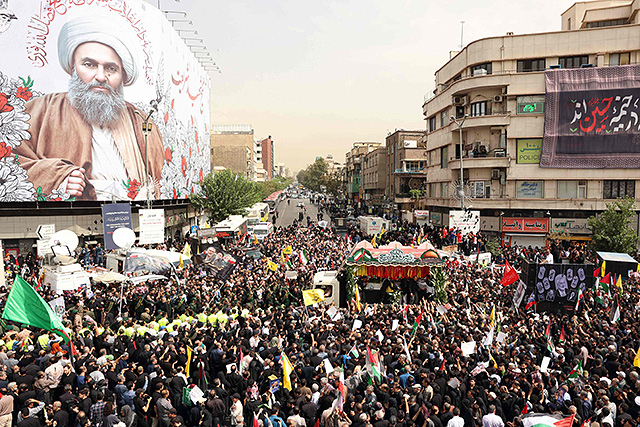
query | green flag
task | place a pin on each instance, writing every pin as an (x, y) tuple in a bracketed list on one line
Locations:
[(25, 306), (577, 371)]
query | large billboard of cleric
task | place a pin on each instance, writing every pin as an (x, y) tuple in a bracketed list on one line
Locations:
[(592, 118), (78, 80)]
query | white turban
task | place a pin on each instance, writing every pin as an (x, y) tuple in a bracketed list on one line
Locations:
[(94, 29)]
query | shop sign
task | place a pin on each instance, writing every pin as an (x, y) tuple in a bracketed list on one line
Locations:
[(525, 225)]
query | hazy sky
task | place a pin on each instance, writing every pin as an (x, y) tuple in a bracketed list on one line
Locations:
[(320, 75)]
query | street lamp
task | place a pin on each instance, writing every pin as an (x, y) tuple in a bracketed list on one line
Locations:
[(146, 129), (459, 123)]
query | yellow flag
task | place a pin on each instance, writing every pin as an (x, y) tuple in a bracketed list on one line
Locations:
[(619, 282), (272, 265), (187, 251), (287, 368), (603, 268), (637, 268), (357, 298), (282, 259), (636, 361), (382, 231), (495, 364), (312, 296), (492, 317), (373, 241), (288, 250), (255, 240), (188, 367), (180, 264)]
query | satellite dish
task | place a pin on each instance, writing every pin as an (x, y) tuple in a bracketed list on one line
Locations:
[(124, 237), (62, 244)]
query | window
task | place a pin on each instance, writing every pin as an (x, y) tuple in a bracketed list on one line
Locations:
[(569, 24), (481, 69), (616, 189), (479, 109), (608, 23), (432, 123), (480, 189), (444, 189), (444, 157), (528, 65), (444, 118), (459, 112), (572, 189), (619, 59), (532, 104), (573, 61), (432, 189)]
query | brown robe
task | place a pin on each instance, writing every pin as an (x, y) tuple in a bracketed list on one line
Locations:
[(61, 142)]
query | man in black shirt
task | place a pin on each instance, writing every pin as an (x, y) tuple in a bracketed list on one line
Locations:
[(60, 417), (28, 421)]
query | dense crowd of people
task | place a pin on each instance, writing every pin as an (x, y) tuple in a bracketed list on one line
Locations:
[(208, 352)]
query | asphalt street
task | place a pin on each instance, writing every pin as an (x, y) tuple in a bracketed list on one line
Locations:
[(288, 212)]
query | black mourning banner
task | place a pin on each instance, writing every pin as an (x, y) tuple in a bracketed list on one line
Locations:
[(592, 118), (557, 285)]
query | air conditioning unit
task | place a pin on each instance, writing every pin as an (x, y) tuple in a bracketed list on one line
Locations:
[(497, 99), (465, 101), (495, 174), (456, 100)]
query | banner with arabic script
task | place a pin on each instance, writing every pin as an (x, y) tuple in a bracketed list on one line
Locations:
[(592, 118), (77, 81)]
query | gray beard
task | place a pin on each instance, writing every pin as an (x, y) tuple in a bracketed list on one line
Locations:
[(97, 108)]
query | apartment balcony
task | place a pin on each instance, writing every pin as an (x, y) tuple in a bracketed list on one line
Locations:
[(403, 198), (496, 118), (480, 162), (411, 171)]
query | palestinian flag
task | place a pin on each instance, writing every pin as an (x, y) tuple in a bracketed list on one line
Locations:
[(547, 333), (372, 364), (580, 297), (596, 272), (290, 265), (405, 313), (561, 340), (442, 365), (599, 297), (605, 283), (533, 419), (302, 256), (576, 372), (416, 323), (354, 351), (614, 317)]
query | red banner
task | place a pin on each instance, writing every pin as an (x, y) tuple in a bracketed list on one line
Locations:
[(525, 225)]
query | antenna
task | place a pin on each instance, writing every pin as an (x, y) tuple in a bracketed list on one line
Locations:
[(461, 35), (124, 237)]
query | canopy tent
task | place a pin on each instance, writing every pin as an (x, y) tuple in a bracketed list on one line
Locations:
[(110, 277), (618, 263), (393, 261)]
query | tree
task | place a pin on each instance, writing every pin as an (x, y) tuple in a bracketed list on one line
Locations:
[(226, 193), (317, 175), (611, 229), (278, 183)]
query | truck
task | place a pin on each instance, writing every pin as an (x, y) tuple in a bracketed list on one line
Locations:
[(66, 277), (262, 230), (372, 225)]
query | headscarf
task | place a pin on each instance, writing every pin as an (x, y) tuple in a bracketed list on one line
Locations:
[(128, 415), (94, 29)]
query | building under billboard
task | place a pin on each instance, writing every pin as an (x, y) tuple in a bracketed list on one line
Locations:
[(99, 101), (551, 125)]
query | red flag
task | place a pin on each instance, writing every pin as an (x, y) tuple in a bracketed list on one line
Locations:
[(442, 366), (567, 422), (525, 409), (562, 334), (317, 424), (606, 279), (586, 423), (596, 272), (510, 275), (255, 421)]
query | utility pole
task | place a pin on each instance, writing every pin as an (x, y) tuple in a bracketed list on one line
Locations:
[(459, 123)]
